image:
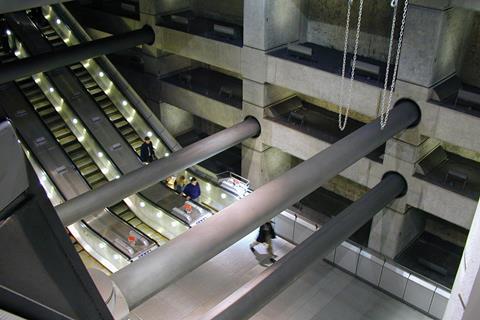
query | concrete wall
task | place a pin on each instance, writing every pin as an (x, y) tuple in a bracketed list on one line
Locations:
[(175, 120), (229, 11), (326, 25), (471, 60)]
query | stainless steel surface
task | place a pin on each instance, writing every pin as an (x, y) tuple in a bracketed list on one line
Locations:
[(250, 298), (156, 171), (187, 252), (13, 172)]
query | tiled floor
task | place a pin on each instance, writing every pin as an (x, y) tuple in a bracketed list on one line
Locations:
[(321, 293)]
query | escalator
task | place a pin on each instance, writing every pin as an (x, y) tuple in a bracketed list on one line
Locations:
[(77, 153)]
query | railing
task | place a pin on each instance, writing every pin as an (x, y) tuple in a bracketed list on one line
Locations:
[(409, 287)]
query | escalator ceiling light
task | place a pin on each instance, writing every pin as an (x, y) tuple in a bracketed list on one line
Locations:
[(58, 21), (223, 195), (209, 187), (51, 90), (117, 176), (159, 214), (74, 120), (104, 170), (149, 133), (142, 204), (9, 33), (167, 154), (102, 245), (17, 53), (101, 74), (116, 256), (100, 154), (124, 103)]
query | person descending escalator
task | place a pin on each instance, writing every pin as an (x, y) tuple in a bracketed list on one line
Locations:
[(265, 235), (180, 183), (147, 153), (192, 190)]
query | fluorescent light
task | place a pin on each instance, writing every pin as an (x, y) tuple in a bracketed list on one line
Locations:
[(51, 90), (9, 33), (149, 133), (124, 103), (167, 154), (100, 154), (101, 74), (58, 21), (142, 204), (74, 120)]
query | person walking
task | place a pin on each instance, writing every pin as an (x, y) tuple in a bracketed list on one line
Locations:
[(180, 183), (265, 235), (192, 190), (147, 153)]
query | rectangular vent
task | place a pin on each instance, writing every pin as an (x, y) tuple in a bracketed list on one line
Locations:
[(61, 170), (40, 141), (115, 147), (96, 119), (21, 113)]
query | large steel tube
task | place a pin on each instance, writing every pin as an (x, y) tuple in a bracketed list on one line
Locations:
[(70, 55), (252, 296), (140, 179), (199, 244)]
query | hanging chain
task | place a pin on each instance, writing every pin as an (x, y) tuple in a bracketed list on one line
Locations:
[(343, 124), (384, 117), (342, 82), (387, 72)]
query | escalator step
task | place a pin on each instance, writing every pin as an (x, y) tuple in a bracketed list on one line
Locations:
[(76, 66), (109, 109), (127, 130), (98, 183), (96, 91), (132, 137), (68, 140), (54, 123), (87, 170), (101, 98), (83, 162), (78, 154), (46, 112), (120, 208), (127, 216), (94, 179), (74, 147), (105, 103), (61, 133), (90, 84), (121, 123), (116, 116), (135, 222), (137, 144), (42, 104)]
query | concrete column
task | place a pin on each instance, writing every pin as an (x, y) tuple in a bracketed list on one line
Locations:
[(396, 226), (433, 45), (392, 231), (466, 289), (261, 167)]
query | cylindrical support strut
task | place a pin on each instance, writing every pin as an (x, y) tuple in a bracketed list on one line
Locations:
[(199, 244), (140, 179), (252, 296), (70, 55)]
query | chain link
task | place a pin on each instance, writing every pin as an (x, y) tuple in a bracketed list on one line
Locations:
[(343, 124), (342, 82), (384, 117)]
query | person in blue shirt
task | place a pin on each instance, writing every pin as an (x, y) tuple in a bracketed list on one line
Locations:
[(192, 190)]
